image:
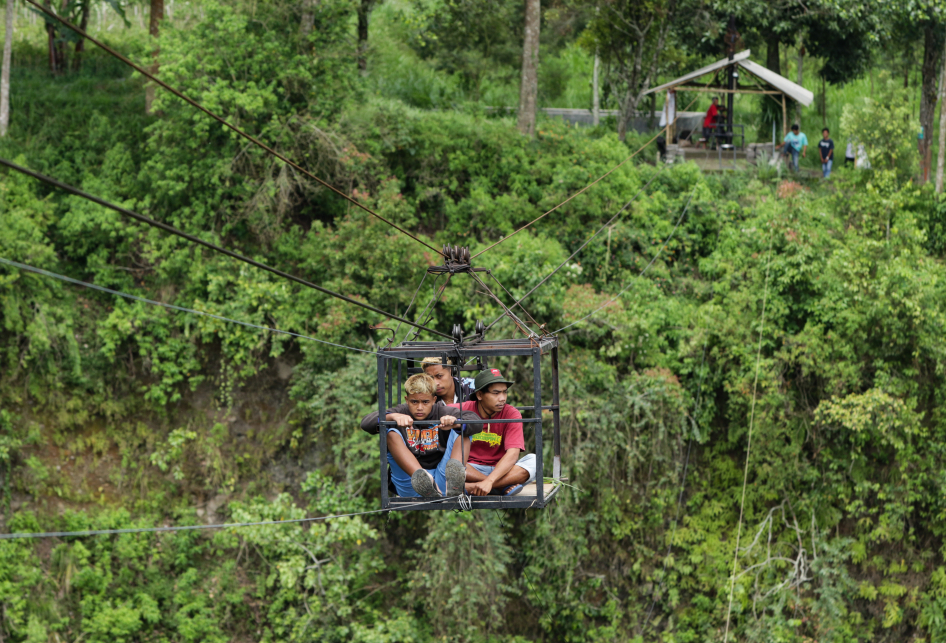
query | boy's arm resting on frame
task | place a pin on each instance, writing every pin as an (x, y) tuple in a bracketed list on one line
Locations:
[(370, 422), (471, 429)]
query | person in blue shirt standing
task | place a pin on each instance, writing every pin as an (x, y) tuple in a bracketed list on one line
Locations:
[(795, 143), (826, 150)]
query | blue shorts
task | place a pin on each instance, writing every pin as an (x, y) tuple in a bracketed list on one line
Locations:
[(402, 481), (526, 462)]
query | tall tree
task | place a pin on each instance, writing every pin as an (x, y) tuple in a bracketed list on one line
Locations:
[(941, 151), (80, 41), (77, 12), (932, 45), (364, 15), (154, 28), (905, 23), (5, 72), (632, 35), (529, 88), (308, 17), (470, 38)]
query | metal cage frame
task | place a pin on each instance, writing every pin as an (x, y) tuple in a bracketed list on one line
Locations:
[(473, 356)]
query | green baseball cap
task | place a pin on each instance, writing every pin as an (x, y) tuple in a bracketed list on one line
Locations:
[(487, 377)]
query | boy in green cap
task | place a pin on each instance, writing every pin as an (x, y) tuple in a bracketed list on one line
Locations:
[(494, 462)]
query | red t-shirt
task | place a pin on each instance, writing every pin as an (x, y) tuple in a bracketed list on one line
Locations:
[(494, 440), (710, 120)]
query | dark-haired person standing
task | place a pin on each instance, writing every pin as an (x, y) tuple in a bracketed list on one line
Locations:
[(826, 150), (795, 142)]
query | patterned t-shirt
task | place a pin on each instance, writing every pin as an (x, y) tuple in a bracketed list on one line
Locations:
[(427, 443)]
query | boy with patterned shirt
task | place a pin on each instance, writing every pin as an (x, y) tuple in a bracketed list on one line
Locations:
[(494, 462), (422, 459)]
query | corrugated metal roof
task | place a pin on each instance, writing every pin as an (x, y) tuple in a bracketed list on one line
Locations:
[(701, 72), (792, 90)]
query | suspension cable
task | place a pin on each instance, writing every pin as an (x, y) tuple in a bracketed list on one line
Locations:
[(518, 322), (229, 525), (584, 189), (581, 247), (182, 309), (194, 239), (224, 122), (631, 282), (683, 484), (745, 473)]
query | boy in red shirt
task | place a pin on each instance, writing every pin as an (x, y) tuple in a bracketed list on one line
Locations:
[(494, 462)]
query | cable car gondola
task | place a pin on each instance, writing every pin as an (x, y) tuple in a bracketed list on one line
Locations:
[(473, 354)]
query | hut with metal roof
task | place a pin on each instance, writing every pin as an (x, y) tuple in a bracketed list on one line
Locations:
[(726, 79)]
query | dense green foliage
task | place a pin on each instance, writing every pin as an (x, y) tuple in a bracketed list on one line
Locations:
[(810, 315)]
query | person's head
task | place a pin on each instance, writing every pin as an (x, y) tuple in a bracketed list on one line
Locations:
[(825, 133), (419, 395), (442, 376), (715, 100), (489, 391), (795, 128)]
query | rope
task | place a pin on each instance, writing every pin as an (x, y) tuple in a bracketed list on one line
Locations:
[(46, 273), (683, 484), (631, 283), (193, 239), (584, 189), (229, 525), (224, 122), (581, 247), (518, 322), (410, 305), (745, 474), (511, 296)]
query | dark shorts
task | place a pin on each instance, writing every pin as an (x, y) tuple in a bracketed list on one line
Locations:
[(707, 132)]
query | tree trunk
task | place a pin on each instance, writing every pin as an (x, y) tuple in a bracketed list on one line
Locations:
[(154, 28), (941, 152), (57, 52), (801, 66), (5, 72), (80, 46), (824, 103), (595, 95), (931, 51), (308, 17), (364, 11), (626, 110), (529, 89), (772, 62)]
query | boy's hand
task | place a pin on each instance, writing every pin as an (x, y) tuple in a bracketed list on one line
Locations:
[(448, 422), (481, 488), (401, 419)]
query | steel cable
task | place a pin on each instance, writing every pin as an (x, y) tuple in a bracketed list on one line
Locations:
[(631, 283), (584, 189), (47, 273), (745, 473), (580, 248), (230, 525), (223, 121), (194, 239)]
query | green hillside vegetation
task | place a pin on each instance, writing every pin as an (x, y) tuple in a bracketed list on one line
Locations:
[(811, 312)]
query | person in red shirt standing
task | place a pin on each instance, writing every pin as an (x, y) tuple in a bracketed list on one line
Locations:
[(494, 465), (709, 122)]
